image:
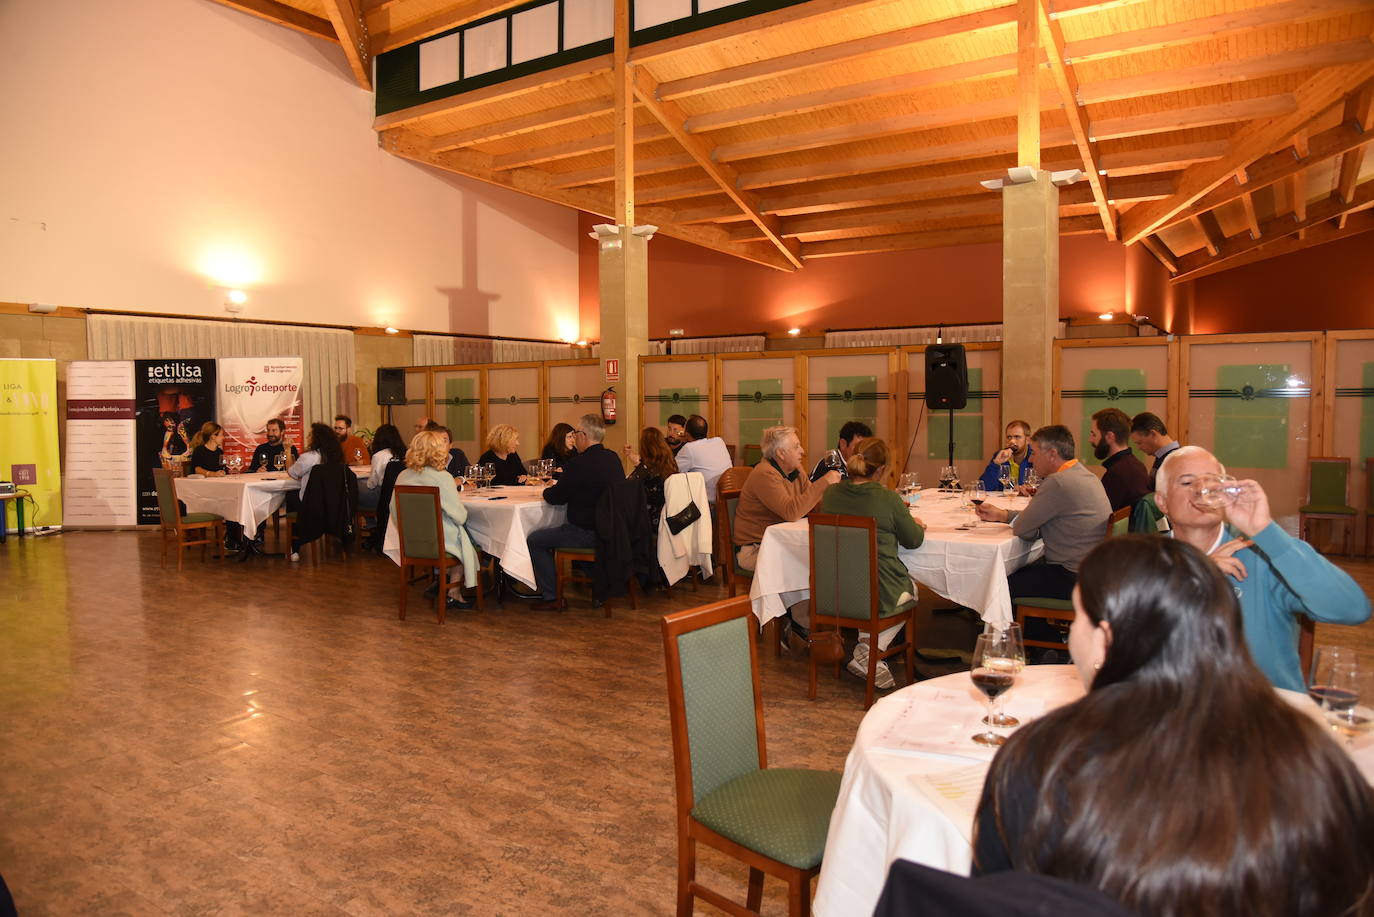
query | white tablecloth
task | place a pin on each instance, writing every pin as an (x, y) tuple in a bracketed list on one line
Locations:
[(969, 567), (913, 779), (247, 499), (500, 527)]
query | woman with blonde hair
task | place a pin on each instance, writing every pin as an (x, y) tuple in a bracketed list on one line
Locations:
[(863, 494), (426, 461), (502, 441)]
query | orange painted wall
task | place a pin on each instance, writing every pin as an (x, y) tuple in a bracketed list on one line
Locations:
[(706, 293)]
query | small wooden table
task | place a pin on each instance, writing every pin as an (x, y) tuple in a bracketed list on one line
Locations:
[(18, 496)]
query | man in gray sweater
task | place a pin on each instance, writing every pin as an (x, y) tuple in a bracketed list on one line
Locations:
[(1069, 512)]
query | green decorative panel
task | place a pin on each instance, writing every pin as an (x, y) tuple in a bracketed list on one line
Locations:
[(1252, 428), (1109, 388), (685, 401), (968, 425), (760, 407), (460, 408), (850, 398)]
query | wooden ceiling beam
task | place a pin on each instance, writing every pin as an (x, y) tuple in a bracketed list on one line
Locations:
[(1155, 246), (1211, 231), (351, 29), (388, 37), (1247, 203), (1358, 50), (775, 67), (1348, 175), (1067, 84), (1279, 165), (1360, 221), (596, 143), (524, 124), (1249, 143), (1029, 100), (543, 81), (289, 16), (597, 202), (600, 174), (937, 239), (1158, 159), (1316, 214), (694, 187), (671, 116)]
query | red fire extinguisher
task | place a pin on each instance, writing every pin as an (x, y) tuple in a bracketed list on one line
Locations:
[(608, 406)]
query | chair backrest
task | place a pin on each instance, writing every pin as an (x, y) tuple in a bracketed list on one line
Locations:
[(844, 566), (419, 522), (751, 454), (714, 698), (730, 448), (733, 478), (167, 507), (727, 502), (1328, 481), (1146, 517), (389, 476), (1119, 522)]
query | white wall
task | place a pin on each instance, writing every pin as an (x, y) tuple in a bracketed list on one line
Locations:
[(150, 145)]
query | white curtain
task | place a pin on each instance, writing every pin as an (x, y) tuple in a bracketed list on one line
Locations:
[(449, 350), (744, 343), (897, 337), (330, 382)]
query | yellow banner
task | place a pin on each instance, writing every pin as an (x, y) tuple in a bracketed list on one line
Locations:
[(28, 440)]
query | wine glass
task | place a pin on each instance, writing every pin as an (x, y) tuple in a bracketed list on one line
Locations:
[(1320, 685), (833, 460), (1016, 652), (1215, 490), (994, 672), (279, 461), (1032, 482), (235, 463), (474, 474), (1349, 699), (1005, 478), (977, 494), (489, 472)]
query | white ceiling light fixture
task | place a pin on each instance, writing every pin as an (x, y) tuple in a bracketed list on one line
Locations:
[(1022, 175)]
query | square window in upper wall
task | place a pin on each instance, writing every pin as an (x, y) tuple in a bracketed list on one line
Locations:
[(704, 6), (656, 12), (586, 21), (439, 62), (484, 48), (534, 33)]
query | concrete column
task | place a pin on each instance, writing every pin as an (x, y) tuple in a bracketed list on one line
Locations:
[(1030, 298), (624, 280)]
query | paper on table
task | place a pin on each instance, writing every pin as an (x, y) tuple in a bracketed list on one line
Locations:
[(946, 721), (955, 792)]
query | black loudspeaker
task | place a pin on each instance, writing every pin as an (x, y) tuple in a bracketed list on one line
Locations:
[(946, 377), (391, 386)]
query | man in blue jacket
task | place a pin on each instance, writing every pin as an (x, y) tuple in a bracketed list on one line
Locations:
[(1015, 456), (1276, 576)]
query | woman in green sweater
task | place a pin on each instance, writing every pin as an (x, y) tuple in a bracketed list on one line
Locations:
[(863, 494)]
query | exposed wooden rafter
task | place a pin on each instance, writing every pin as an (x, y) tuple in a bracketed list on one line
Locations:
[(388, 38), (671, 116), (351, 29), (289, 16), (1361, 221)]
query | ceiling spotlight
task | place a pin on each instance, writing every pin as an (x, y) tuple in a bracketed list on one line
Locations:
[(794, 331), (1106, 316), (391, 330)]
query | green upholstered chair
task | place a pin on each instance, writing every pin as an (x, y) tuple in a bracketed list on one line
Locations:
[(736, 577), (1060, 611), (775, 820), (1328, 497), (419, 521), (1147, 518), (185, 529), (844, 592)]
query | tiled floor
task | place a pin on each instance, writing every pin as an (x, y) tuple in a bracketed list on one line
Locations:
[(268, 739)]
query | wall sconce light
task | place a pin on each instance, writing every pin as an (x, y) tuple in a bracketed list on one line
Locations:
[(794, 331), (391, 330), (582, 343), (1106, 316), (675, 332), (42, 308), (234, 300)]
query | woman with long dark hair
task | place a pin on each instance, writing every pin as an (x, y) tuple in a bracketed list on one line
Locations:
[(560, 446), (386, 445), (1182, 783), (653, 464)]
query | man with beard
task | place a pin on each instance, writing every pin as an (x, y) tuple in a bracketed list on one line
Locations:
[(1014, 458), (265, 456), (1126, 479)]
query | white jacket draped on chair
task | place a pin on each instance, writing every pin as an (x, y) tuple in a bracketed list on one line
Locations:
[(693, 545)]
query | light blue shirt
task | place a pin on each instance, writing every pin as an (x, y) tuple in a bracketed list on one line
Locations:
[(301, 469)]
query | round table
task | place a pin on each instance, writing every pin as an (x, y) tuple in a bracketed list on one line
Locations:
[(913, 779)]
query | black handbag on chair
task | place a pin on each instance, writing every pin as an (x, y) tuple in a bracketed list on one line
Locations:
[(683, 517)]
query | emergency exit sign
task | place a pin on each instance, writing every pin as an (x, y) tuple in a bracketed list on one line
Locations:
[(612, 370)]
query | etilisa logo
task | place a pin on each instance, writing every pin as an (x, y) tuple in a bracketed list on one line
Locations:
[(251, 386)]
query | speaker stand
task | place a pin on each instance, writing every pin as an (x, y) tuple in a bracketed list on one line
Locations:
[(951, 442)]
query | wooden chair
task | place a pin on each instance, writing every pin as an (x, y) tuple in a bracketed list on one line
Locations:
[(1307, 635), (1328, 497), (750, 454), (775, 820), (1060, 611), (844, 592), (184, 528), (1368, 504), (733, 478), (563, 560), (419, 524)]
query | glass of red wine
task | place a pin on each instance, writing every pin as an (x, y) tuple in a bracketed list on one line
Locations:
[(976, 498), (1016, 651), (1327, 662), (994, 672)]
